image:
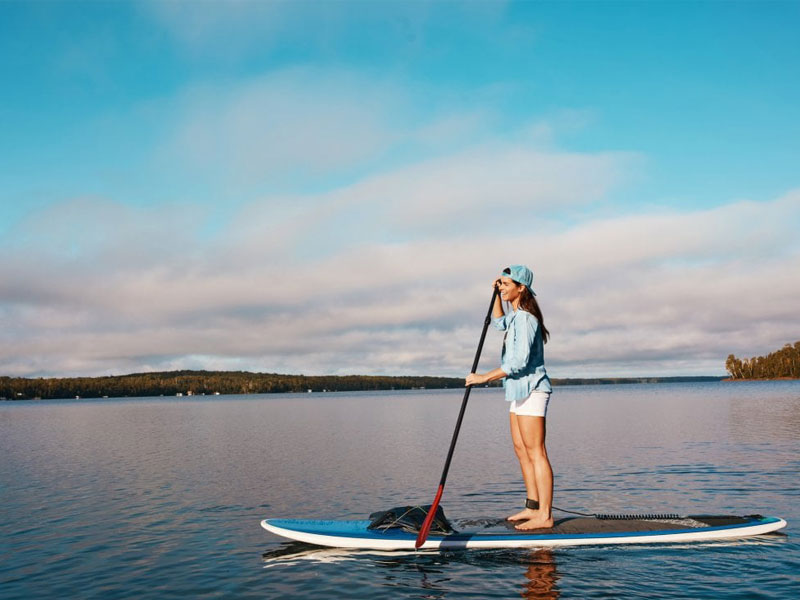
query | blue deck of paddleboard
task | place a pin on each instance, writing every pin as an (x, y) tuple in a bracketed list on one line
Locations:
[(358, 529)]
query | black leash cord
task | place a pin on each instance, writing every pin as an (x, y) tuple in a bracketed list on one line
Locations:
[(572, 512)]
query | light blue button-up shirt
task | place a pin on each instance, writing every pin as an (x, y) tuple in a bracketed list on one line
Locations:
[(522, 358)]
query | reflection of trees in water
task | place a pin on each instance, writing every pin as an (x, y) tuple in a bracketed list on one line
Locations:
[(542, 576)]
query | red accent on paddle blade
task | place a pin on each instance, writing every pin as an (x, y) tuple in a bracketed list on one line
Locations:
[(426, 525)]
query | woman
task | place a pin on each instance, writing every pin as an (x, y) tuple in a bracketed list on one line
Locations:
[(527, 390)]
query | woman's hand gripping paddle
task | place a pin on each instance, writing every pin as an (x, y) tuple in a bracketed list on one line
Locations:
[(426, 525)]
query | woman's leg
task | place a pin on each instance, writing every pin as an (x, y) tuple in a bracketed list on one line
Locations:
[(527, 470), (532, 431)]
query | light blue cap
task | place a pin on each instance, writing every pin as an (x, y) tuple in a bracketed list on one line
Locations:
[(522, 275)]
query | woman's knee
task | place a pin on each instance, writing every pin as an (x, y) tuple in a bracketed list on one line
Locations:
[(536, 453), (521, 451)]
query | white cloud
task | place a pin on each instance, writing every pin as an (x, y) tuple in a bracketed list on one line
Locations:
[(231, 26), (645, 294), (223, 31), (300, 126), (299, 121), (492, 179), (389, 271)]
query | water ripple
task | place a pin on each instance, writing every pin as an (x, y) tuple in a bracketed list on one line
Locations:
[(157, 498)]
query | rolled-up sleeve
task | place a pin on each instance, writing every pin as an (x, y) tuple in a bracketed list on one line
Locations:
[(500, 323), (518, 347)]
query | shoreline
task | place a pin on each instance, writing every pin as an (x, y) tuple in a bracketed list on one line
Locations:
[(233, 383), (732, 380)]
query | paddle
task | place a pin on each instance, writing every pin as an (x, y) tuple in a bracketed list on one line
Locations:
[(426, 525)]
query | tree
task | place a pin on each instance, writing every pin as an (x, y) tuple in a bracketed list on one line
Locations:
[(781, 363)]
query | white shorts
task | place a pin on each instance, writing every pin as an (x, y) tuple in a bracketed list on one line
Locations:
[(534, 405)]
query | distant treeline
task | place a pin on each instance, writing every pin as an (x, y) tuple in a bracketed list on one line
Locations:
[(783, 363), (173, 383), (620, 380)]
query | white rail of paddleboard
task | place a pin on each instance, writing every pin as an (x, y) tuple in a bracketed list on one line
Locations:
[(477, 540)]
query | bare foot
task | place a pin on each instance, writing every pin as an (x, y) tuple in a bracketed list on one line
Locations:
[(523, 515), (538, 522)]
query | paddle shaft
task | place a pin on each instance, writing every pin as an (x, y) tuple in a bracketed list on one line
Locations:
[(426, 525)]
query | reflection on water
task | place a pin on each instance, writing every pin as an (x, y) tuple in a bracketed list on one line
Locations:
[(539, 574), (295, 551), (542, 576)]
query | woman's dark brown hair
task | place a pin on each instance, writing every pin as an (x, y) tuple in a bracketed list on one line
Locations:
[(527, 302)]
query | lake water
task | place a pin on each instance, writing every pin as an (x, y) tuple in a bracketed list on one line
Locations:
[(162, 497)]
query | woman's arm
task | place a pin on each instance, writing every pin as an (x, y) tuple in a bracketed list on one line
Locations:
[(518, 343), (498, 373), (479, 379), (517, 354)]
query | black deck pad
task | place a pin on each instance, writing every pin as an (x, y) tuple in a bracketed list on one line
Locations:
[(577, 525)]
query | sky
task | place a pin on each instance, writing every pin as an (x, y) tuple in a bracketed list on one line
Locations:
[(331, 187)]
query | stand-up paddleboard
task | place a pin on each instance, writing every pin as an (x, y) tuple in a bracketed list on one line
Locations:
[(501, 534)]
